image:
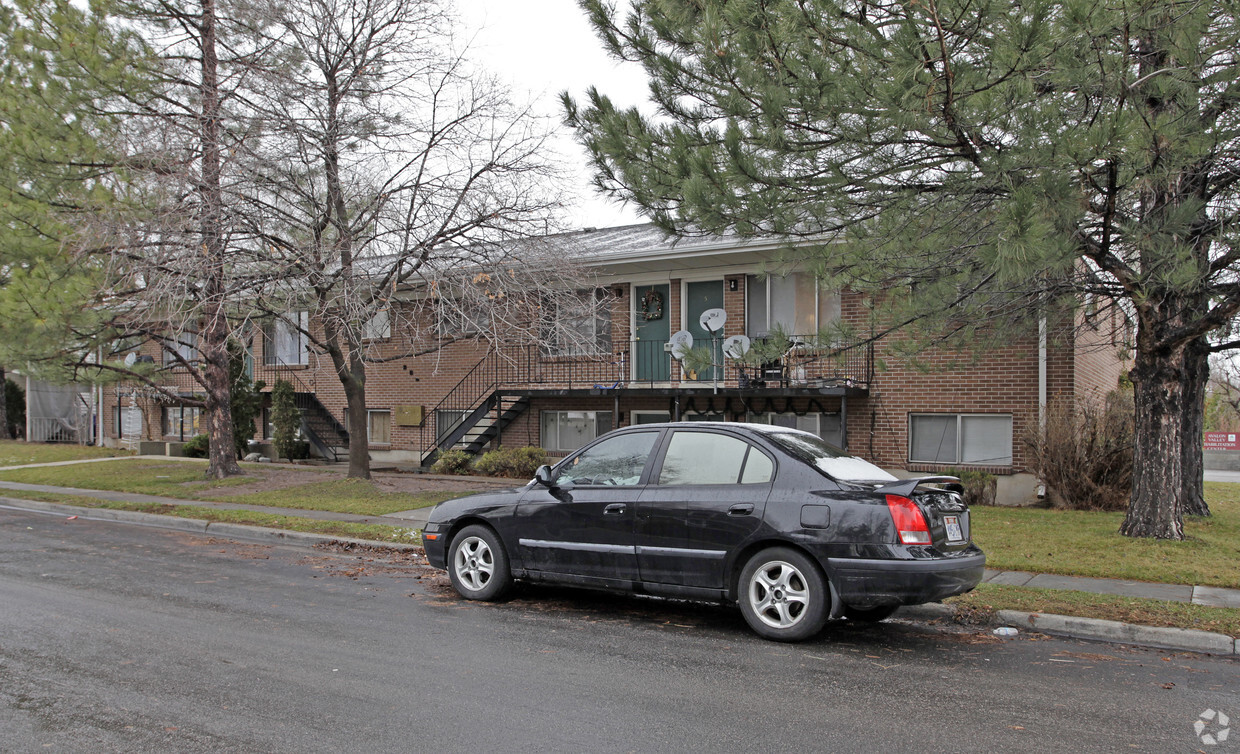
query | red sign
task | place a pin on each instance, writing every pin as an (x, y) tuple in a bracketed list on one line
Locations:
[(1222, 441)]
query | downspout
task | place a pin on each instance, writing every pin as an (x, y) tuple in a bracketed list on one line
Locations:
[(28, 414), (1042, 388)]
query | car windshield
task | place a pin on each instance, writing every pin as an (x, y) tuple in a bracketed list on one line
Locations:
[(824, 456)]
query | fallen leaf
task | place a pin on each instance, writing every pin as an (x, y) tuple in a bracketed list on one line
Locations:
[(1168, 685)]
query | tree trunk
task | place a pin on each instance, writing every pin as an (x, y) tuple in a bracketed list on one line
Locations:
[(1157, 504), (359, 437), (213, 330), (4, 406), (352, 373), (1197, 376)]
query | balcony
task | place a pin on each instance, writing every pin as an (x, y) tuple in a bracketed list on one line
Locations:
[(650, 365)]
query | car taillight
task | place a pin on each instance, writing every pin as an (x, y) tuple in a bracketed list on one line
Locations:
[(910, 523)]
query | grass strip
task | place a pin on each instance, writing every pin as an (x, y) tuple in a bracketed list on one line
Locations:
[(14, 453), (373, 532), (184, 481), (980, 605), (1081, 543), (358, 496)]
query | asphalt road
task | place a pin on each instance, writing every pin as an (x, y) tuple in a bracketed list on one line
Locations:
[(119, 638)]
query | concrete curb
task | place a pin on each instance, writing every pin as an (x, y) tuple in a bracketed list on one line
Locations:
[(1093, 629), (1181, 639), (196, 526)]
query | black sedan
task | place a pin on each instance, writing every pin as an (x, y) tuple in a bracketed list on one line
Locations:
[(793, 529)]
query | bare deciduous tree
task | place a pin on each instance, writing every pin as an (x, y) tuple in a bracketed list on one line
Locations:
[(395, 184)]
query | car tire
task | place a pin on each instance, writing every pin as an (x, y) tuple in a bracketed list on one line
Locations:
[(870, 614), (478, 564), (783, 595)]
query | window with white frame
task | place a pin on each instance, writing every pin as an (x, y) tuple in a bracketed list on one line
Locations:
[(284, 340), (827, 426), (564, 431), (577, 324), (184, 345), (794, 303), (447, 419), (973, 439), (379, 427), (378, 327)]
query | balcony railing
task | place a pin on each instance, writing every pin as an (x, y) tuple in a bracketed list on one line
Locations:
[(640, 364), (649, 363)]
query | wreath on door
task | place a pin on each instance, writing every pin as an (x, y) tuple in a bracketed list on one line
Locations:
[(652, 305)]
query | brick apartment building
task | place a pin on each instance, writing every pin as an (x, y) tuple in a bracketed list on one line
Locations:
[(968, 412)]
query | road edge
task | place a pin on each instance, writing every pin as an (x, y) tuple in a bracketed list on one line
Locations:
[(1093, 629), (196, 525)]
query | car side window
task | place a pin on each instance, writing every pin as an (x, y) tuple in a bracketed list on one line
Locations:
[(709, 458), (617, 460), (759, 468)]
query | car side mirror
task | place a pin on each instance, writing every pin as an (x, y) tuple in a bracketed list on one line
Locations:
[(543, 476)]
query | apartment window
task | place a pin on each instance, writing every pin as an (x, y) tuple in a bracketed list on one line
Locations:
[(378, 327), (578, 324), (564, 431), (793, 303), (284, 340), (181, 422), (184, 345), (827, 426), (446, 420), (379, 427), (269, 429), (981, 439)]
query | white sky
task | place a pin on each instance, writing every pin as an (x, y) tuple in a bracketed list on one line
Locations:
[(541, 48)]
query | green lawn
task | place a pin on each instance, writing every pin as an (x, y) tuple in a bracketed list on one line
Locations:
[(184, 480), (13, 453), (1089, 544)]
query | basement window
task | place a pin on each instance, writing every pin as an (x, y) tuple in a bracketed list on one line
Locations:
[(379, 427), (972, 439)]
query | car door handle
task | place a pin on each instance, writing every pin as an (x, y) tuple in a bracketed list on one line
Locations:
[(741, 509), (614, 509)]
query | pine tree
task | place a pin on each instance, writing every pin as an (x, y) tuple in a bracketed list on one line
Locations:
[(987, 162)]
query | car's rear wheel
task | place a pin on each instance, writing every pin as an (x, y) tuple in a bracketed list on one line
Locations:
[(783, 595), (870, 614), (478, 564)]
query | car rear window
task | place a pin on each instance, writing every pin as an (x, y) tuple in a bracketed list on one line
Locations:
[(824, 456)]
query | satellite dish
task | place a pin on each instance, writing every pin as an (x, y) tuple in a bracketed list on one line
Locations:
[(130, 358), (736, 346), (712, 320), (681, 341)]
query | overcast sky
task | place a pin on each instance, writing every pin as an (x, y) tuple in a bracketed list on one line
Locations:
[(544, 47)]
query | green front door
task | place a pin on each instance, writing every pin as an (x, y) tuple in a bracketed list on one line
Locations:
[(698, 298), (652, 331)]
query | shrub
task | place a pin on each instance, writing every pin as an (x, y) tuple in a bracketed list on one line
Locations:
[(980, 487), (452, 462), (1084, 453), (196, 447), (285, 421), (515, 463)]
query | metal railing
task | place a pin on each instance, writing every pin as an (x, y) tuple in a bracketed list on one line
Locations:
[(638, 364)]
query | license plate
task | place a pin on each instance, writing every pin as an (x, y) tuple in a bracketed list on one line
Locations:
[(954, 532)]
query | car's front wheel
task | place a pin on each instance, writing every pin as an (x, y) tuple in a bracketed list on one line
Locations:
[(783, 595), (478, 564)]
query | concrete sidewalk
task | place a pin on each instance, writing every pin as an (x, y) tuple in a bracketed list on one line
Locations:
[(1172, 638)]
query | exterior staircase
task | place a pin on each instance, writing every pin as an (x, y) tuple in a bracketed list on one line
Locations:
[(326, 435), (479, 427)]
